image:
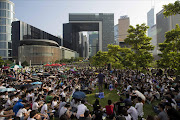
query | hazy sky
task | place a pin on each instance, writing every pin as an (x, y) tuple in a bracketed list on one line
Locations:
[(49, 15)]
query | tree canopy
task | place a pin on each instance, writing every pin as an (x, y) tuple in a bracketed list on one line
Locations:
[(171, 9)]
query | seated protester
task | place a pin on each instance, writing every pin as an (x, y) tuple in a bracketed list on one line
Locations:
[(119, 106), (139, 107), (132, 111), (74, 104), (109, 109), (44, 109), (9, 102), (49, 97), (17, 106), (128, 99), (65, 111), (23, 113), (173, 104), (162, 115), (125, 114), (54, 103), (62, 103), (172, 113), (34, 115), (81, 109), (35, 105), (85, 116), (96, 105), (5, 114), (98, 113)]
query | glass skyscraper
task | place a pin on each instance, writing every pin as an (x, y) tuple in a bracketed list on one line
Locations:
[(6, 18)]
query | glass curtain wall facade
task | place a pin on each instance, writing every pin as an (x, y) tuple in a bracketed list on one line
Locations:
[(6, 18), (23, 31)]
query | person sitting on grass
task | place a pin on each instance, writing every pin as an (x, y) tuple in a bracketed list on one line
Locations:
[(132, 111), (109, 109), (139, 107)]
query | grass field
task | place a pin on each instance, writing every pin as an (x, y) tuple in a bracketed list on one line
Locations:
[(112, 95)]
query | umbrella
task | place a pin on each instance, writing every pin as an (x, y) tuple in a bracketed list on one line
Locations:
[(52, 76), (26, 86), (32, 87), (35, 79), (79, 95), (63, 64), (46, 74), (47, 65), (7, 89), (72, 70), (3, 90), (10, 89), (52, 65), (16, 66), (6, 67), (34, 74), (39, 74), (37, 83), (139, 94), (27, 81)]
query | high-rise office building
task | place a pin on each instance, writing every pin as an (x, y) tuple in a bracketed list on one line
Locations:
[(6, 18), (150, 20), (165, 24), (93, 43), (120, 30), (102, 22), (116, 34), (24, 31)]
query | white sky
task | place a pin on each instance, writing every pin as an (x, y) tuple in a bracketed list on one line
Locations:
[(49, 15)]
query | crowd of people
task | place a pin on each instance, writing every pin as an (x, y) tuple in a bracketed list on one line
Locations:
[(47, 93)]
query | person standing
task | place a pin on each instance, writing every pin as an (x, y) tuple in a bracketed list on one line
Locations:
[(100, 81)]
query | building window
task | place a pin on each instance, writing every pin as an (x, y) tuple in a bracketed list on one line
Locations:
[(9, 45), (2, 37), (2, 29), (2, 45), (2, 13), (3, 5), (3, 53), (2, 21)]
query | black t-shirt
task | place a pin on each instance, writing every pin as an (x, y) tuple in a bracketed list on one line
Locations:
[(100, 77), (119, 107), (98, 115)]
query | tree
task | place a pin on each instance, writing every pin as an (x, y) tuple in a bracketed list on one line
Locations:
[(141, 46), (57, 61), (8, 62), (114, 56), (1, 61), (170, 48), (171, 9), (100, 59), (25, 63)]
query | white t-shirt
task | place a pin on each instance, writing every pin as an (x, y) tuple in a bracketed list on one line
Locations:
[(63, 94), (133, 112), (81, 110), (15, 99), (31, 118), (139, 108), (62, 111), (54, 103), (128, 117), (21, 112), (44, 107), (35, 106), (8, 103)]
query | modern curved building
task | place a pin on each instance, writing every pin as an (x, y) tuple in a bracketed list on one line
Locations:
[(38, 51), (6, 19)]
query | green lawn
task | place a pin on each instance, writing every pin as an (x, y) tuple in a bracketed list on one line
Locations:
[(112, 95)]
